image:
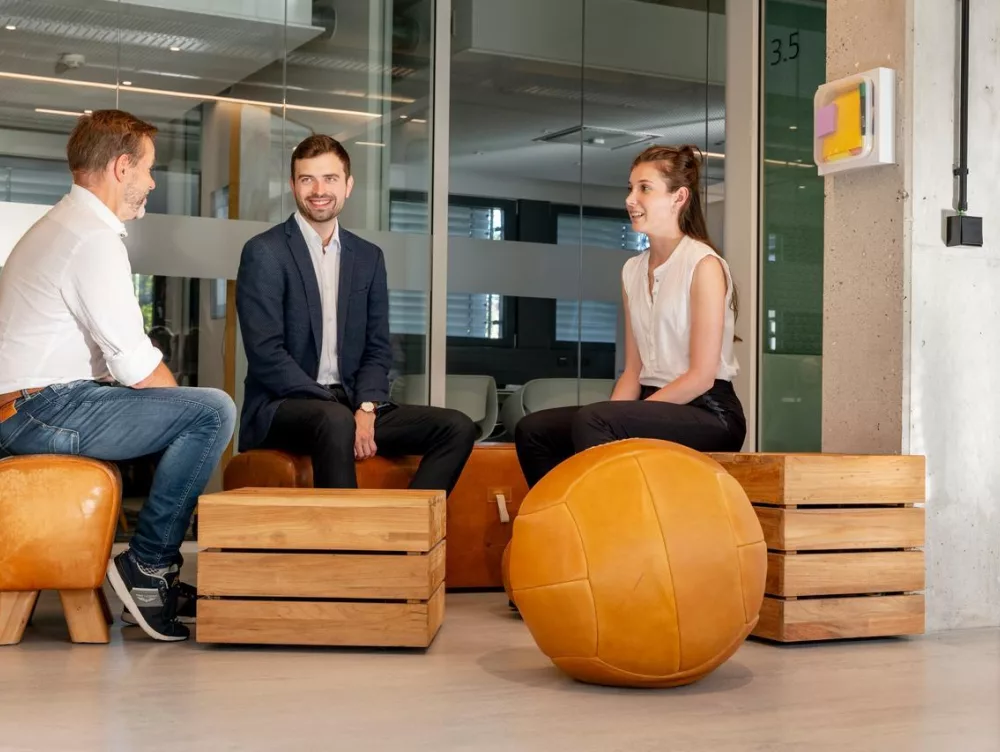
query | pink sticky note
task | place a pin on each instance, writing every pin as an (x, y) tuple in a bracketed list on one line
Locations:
[(826, 120)]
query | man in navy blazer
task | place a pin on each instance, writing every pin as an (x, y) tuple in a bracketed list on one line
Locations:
[(313, 308)]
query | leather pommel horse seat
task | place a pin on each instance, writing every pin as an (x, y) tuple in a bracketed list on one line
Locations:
[(57, 522), (268, 468), (273, 468)]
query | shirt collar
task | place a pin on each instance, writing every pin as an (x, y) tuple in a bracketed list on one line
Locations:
[(661, 269), (82, 196), (312, 237)]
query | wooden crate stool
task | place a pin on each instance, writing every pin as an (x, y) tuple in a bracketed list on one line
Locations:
[(57, 523), (300, 566), (481, 508), (844, 535)]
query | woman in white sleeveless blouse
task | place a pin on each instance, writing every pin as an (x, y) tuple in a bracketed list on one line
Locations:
[(680, 315)]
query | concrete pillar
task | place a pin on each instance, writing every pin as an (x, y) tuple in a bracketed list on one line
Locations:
[(912, 328), (863, 307)]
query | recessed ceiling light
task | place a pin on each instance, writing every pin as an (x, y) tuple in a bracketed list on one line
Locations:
[(126, 83), (802, 187), (793, 127), (404, 117), (10, 27), (419, 120), (175, 49)]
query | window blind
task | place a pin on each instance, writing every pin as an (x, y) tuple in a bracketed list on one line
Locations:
[(475, 315)]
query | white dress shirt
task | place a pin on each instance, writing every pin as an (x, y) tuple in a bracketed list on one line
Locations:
[(326, 263), (68, 309), (661, 319)]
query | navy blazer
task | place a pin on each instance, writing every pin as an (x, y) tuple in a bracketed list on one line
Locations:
[(281, 318)]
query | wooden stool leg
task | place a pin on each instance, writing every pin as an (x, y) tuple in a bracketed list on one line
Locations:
[(105, 607), (84, 616), (15, 610)]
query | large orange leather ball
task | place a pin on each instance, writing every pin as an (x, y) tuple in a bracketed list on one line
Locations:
[(638, 563)]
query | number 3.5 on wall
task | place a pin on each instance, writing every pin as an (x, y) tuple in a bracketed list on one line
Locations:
[(779, 55)]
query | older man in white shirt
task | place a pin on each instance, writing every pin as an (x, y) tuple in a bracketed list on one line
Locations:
[(79, 375)]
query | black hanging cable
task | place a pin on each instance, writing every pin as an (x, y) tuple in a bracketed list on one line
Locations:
[(962, 229), (962, 171)]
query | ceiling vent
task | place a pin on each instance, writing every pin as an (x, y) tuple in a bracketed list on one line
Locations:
[(610, 139)]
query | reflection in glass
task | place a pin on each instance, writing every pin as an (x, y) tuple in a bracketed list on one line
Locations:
[(794, 64), (550, 102), (232, 88)]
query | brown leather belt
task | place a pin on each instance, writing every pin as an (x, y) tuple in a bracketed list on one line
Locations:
[(7, 409)]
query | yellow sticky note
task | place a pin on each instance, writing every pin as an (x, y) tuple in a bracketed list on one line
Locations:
[(848, 135)]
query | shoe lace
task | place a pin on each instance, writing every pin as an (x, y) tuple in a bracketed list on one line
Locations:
[(170, 597)]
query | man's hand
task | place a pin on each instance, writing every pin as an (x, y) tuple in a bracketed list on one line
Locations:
[(364, 435), (161, 377)]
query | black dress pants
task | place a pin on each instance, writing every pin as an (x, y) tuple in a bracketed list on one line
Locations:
[(713, 422), (325, 430)]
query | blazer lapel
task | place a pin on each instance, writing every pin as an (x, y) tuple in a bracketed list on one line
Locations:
[(300, 252), (345, 285)]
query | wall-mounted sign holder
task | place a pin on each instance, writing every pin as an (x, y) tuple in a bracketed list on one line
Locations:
[(855, 122)]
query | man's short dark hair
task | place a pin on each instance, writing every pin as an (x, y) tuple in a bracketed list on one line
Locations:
[(316, 146), (105, 135)]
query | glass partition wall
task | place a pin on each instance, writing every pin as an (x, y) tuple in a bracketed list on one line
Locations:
[(547, 105)]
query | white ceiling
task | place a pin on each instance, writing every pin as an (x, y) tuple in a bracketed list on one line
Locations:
[(501, 105)]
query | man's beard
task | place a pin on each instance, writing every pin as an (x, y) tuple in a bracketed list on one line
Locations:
[(136, 199), (322, 215)]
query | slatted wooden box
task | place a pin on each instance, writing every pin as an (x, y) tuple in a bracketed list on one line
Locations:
[(302, 566), (844, 536)]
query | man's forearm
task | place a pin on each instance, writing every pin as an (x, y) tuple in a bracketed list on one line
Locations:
[(160, 377)]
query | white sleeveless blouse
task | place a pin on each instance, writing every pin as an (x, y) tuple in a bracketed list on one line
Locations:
[(661, 322)]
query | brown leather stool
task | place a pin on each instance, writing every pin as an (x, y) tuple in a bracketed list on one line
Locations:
[(57, 524), (268, 468), (272, 468)]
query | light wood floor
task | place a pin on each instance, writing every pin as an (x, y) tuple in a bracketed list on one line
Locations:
[(484, 686)]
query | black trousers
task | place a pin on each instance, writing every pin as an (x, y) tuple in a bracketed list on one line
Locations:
[(325, 431), (713, 422)]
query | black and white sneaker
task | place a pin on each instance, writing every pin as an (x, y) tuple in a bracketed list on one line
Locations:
[(149, 595), (187, 605)]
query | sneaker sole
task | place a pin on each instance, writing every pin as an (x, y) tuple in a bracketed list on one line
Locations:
[(129, 621), (118, 584)]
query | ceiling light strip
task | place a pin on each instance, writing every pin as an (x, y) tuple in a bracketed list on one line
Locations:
[(46, 111), (188, 95)]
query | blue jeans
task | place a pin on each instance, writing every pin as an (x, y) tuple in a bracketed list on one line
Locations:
[(191, 426)]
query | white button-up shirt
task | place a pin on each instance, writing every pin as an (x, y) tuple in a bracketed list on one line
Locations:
[(68, 309), (326, 264), (661, 318)]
